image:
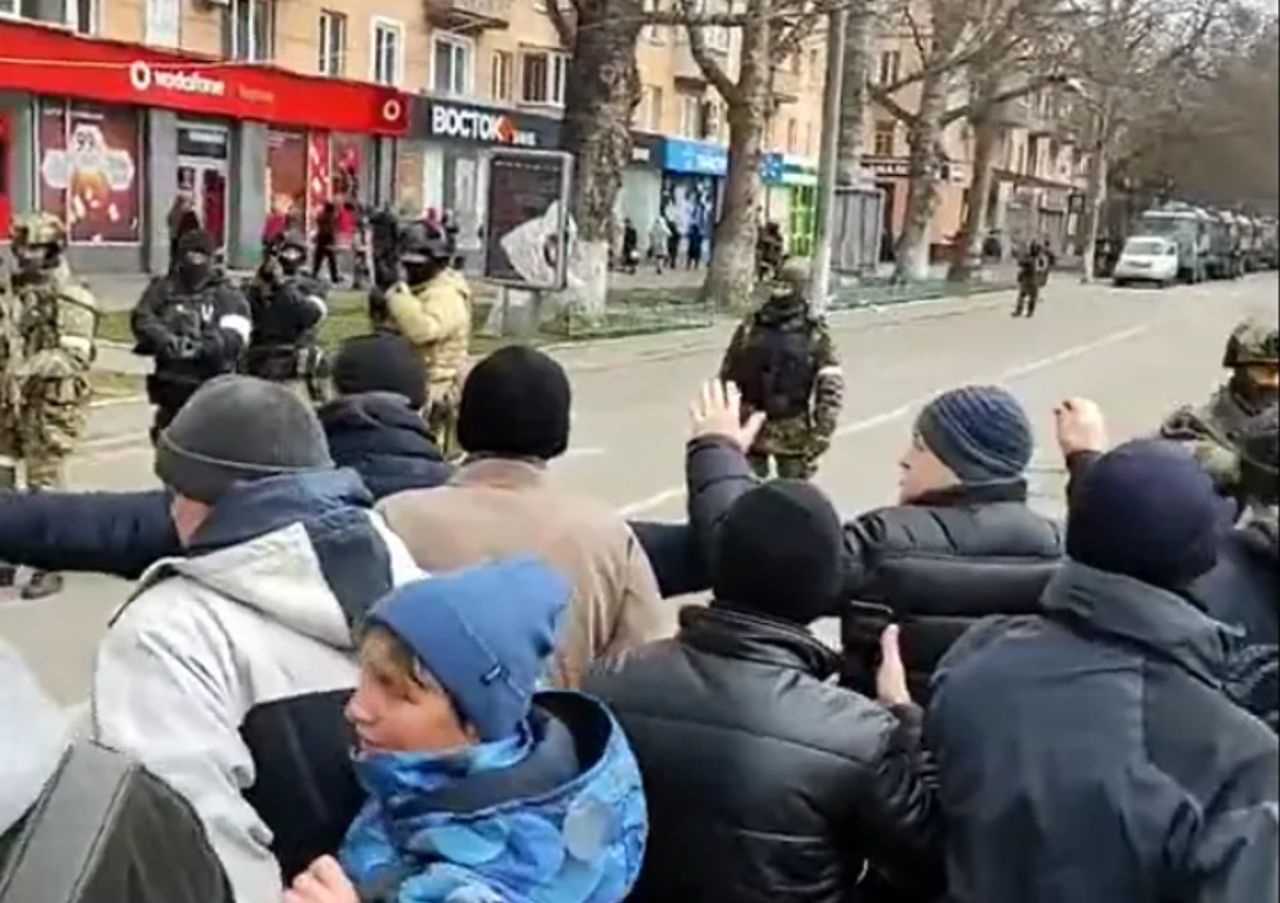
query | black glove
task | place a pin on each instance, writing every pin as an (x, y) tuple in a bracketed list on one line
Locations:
[(179, 348)]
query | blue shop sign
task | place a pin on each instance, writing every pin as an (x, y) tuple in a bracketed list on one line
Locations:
[(772, 167), (694, 157)]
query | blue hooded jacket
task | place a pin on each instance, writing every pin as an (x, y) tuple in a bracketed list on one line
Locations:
[(553, 815)]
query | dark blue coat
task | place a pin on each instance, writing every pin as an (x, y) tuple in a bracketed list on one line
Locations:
[(380, 437), (1092, 755)]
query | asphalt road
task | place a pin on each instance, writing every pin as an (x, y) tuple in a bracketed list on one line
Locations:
[(1138, 352)]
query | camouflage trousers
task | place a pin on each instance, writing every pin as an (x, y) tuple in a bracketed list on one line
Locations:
[(793, 446), (441, 418), (40, 428)]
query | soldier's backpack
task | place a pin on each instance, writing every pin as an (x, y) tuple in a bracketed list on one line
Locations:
[(778, 364), (105, 830)]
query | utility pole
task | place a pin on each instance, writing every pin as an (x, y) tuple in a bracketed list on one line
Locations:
[(820, 282)]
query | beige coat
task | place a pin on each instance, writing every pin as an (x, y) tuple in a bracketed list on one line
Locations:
[(436, 317), (498, 507)]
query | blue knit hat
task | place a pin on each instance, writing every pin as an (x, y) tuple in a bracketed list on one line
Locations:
[(980, 432), (484, 633), (1147, 510)]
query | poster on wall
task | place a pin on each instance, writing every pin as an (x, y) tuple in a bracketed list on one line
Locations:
[(89, 171), (287, 175), (528, 230)]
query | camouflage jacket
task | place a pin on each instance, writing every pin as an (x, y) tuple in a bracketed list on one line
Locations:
[(1213, 432), (437, 318), (811, 432), (49, 326)]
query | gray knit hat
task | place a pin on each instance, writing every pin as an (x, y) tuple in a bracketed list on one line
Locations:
[(980, 432), (236, 429)]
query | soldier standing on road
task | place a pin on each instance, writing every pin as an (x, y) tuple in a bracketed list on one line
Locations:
[(48, 323), (431, 307), (288, 307), (1033, 274), (784, 362), (193, 322), (1213, 430)]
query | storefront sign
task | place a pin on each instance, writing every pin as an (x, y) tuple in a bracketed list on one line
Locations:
[(483, 125), (527, 235), (887, 167), (646, 148), (38, 59), (695, 158), (202, 142), (777, 169)]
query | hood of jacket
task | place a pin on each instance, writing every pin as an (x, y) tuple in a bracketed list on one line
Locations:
[(376, 422), (1161, 623), (737, 634), (280, 544), (556, 814)]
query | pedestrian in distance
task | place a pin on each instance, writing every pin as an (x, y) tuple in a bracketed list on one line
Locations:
[(659, 235), (1089, 752), (1033, 274), (482, 789), (791, 788), (247, 637), (502, 502), (326, 243), (961, 544), (784, 362), (630, 247), (694, 248), (673, 245)]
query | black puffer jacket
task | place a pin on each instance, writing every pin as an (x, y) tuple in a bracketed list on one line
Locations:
[(765, 782), (939, 564), (379, 436)]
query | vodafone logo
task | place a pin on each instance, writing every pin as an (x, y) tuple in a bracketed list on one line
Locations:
[(392, 110), (143, 77)]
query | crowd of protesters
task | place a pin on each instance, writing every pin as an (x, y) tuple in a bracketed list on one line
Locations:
[(353, 670)]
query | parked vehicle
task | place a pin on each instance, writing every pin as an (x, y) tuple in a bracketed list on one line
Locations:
[(1147, 258)]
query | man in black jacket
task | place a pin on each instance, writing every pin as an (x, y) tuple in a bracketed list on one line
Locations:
[(1090, 753), (961, 545), (764, 780)]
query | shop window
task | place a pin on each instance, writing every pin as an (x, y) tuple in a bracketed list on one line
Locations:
[(500, 76), (333, 44), (451, 62), (90, 170), (883, 139), (544, 75), (248, 30), (388, 58), (287, 175), (162, 22), (890, 67)]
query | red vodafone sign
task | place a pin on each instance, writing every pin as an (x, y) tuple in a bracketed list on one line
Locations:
[(46, 60)]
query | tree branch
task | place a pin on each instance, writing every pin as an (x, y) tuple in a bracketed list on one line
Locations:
[(895, 109), (565, 29), (1029, 87), (709, 65)]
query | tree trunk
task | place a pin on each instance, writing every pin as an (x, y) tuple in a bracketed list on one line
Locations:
[(603, 87), (968, 251), (1095, 191), (731, 275), (860, 33), (922, 188)]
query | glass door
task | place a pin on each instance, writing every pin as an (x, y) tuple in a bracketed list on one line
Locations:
[(205, 182)]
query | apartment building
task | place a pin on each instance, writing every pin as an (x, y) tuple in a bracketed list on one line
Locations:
[(109, 109)]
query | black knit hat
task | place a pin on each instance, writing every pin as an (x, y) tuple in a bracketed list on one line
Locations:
[(196, 241), (779, 553), (237, 429), (1147, 510), (381, 362), (515, 403)]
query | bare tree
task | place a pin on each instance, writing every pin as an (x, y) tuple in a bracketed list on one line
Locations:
[(859, 50)]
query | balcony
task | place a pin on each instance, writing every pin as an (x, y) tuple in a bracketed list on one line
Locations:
[(469, 16)]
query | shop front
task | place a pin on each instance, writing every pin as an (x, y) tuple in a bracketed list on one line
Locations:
[(440, 164), (791, 199), (692, 173), (111, 142), (640, 199)]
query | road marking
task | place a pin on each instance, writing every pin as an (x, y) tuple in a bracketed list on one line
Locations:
[(631, 509)]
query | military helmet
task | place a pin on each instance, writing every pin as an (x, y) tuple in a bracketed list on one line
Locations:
[(1252, 342), (422, 242), (794, 276), (38, 228)]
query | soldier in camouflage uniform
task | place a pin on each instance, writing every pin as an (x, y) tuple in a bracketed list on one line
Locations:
[(784, 362), (47, 322), (1213, 431)]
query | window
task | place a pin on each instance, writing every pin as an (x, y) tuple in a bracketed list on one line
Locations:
[(656, 34), (718, 38), (654, 121), (791, 136), (808, 139), (248, 30), (161, 25), (500, 76), (388, 60), (815, 71), (890, 66), (333, 44), (82, 16), (690, 116), (544, 75), (1033, 156), (451, 60), (711, 120), (882, 143)]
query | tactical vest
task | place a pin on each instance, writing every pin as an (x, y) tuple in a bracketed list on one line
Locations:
[(778, 365)]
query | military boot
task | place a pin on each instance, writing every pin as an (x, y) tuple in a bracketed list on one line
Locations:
[(43, 584), (8, 482)]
